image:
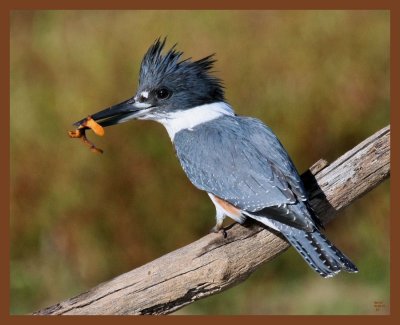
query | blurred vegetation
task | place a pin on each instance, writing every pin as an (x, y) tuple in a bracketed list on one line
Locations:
[(320, 79)]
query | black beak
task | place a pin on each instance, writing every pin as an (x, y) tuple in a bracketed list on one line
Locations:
[(119, 113)]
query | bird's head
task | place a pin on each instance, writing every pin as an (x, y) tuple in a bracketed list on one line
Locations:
[(167, 84)]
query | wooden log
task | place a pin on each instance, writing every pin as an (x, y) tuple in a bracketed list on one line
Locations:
[(214, 263)]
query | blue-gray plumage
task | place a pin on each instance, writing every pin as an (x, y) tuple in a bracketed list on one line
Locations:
[(260, 173), (244, 164), (237, 160)]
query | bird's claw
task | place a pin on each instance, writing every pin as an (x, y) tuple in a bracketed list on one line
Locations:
[(218, 229)]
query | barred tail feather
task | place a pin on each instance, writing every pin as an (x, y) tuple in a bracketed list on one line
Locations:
[(319, 252)]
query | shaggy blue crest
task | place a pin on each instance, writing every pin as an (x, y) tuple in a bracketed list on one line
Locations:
[(168, 70)]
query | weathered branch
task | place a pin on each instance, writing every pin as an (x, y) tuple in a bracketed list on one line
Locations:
[(213, 263)]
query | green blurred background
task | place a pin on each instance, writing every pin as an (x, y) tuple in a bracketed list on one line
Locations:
[(320, 79)]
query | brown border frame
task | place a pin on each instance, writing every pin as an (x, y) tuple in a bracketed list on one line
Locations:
[(6, 8)]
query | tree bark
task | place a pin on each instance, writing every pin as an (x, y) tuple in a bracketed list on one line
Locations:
[(214, 263)]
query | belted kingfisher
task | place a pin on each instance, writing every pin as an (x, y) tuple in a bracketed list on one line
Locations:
[(237, 160)]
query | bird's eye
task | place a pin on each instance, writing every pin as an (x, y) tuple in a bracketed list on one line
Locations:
[(163, 93)]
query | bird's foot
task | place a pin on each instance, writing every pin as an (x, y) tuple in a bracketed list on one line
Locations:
[(219, 229)]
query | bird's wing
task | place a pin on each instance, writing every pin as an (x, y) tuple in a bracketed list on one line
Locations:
[(272, 150), (240, 160)]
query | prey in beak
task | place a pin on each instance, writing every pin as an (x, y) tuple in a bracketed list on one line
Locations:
[(122, 112)]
